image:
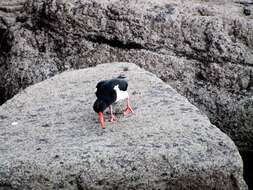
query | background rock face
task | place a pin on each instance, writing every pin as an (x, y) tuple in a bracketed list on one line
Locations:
[(201, 48), (52, 138)]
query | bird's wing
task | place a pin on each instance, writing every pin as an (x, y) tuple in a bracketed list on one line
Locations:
[(99, 87), (106, 92), (100, 83)]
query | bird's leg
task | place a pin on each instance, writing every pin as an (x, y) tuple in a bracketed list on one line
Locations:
[(128, 108), (112, 117)]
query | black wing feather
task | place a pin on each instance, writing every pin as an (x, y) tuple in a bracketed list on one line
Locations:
[(105, 89), (100, 83), (123, 85)]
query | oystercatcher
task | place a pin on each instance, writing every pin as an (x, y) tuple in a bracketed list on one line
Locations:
[(108, 92)]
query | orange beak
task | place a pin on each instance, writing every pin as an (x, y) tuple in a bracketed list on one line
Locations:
[(101, 119)]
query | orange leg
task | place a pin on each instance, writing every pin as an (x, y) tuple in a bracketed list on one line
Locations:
[(128, 108), (112, 117)]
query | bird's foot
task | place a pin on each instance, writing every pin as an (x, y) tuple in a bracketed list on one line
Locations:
[(112, 118), (128, 110)]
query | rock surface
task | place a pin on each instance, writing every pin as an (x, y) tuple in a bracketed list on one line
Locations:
[(204, 49), (51, 138)]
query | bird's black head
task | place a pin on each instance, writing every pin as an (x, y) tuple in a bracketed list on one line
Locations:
[(99, 106)]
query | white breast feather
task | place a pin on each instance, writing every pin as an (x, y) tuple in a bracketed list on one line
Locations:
[(121, 95)]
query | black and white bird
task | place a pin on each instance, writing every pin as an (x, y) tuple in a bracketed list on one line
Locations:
[(108, 92)]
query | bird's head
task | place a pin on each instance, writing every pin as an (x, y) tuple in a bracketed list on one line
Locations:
[(99, 107)]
